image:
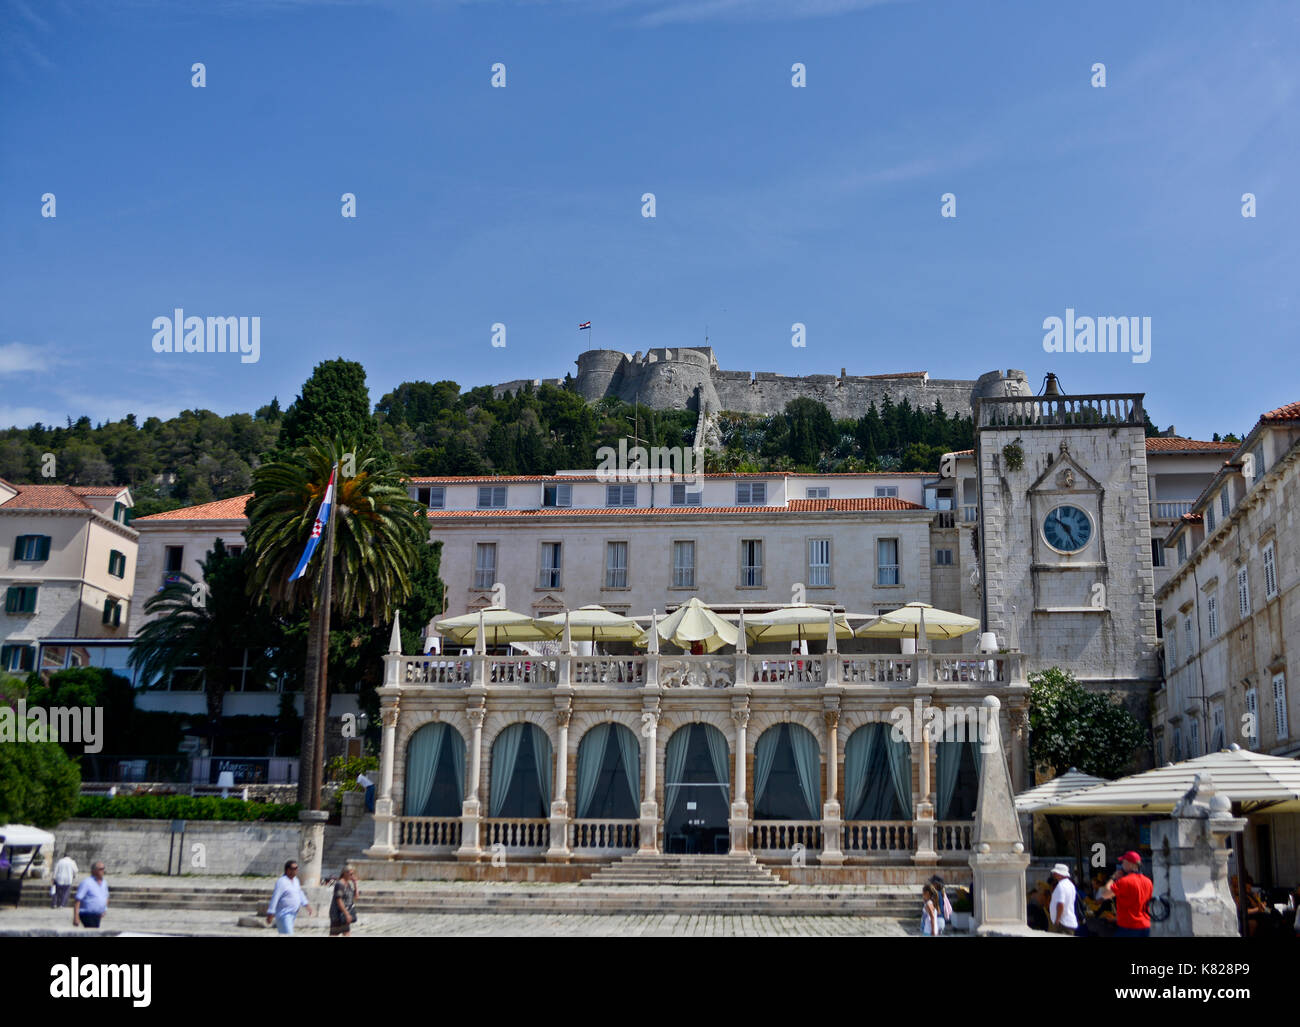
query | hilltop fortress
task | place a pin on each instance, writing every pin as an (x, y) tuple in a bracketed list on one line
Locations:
[(689, 378)]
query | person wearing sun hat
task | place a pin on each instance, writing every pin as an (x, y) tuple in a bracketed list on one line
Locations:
[(1132, 891), (1061, 908)]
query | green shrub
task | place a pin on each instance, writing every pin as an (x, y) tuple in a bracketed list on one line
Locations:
[(344, 770), (39, 783), (183, 807)]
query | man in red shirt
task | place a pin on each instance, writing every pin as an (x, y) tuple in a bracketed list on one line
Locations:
[(1131, 890)]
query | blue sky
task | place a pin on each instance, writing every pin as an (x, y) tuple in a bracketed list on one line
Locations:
[(522, 205)]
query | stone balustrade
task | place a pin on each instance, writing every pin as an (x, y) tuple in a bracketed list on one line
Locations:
[(879, 837), (517, 833), (604, 835), (706, 672), (429, 832), (953, 835), (784, 835)]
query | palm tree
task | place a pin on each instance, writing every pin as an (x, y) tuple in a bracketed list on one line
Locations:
[(377, 529), (199, 624)]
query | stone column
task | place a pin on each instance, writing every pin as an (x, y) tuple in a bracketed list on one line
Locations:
[(923, 825), (832, 825), (471, 850), (559, 850), (311, 845), (649, 825), (740, 801), (385, 821)]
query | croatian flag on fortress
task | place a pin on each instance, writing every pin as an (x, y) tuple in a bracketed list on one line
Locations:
[(585, 324), (322, 518)]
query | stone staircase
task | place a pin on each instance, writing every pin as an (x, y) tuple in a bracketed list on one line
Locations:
[(346, 843), (665, 871)]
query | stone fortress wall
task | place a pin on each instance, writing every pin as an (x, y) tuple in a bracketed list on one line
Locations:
[(670, 378)]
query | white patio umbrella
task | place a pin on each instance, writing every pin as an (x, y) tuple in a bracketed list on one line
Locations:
[(793, 623), (695, 622), (499, 624), (1258, 782), (918, 620), (1073, 780), (595, 623)]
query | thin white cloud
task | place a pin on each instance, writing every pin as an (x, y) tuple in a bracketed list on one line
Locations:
[(18, 357)]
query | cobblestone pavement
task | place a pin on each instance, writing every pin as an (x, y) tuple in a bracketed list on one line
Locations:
[(474, 925)]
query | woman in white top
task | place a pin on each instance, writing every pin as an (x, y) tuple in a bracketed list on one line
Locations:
[(931, 918)]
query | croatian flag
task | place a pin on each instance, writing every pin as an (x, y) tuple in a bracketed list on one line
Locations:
[(322, 518), (585, 324)]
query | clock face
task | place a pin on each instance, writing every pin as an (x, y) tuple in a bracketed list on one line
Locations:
[(1067, 529)]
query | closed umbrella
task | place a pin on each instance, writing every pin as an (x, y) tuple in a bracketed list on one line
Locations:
[(695, 622)]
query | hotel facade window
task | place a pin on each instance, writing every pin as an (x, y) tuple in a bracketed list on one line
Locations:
[(557, 495), (887, 568), (1252, 723), (20, 599), (17, 657), (1270, 572), (492, 497), (485, 564), (751, 563), (173, 556), (683, 564), (116, 563), (1243, 592), (821, 492), (112, 615), (819, 562), (551, 565), (32, 548), (616, 565), (681, 497), (1279, 706), (751, 493), (620, 495)]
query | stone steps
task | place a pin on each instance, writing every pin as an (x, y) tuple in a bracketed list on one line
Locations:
[(737, 870)]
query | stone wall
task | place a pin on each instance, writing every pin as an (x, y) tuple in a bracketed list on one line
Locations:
[(141, 846)]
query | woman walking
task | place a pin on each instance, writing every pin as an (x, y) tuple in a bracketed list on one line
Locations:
[(931, 918), (342, 915)]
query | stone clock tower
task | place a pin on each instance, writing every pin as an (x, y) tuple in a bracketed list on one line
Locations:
[(1065, 544)]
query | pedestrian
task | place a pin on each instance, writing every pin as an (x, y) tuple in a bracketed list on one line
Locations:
[(931, 917), (342, 914), (91, 901), (287, 899), (941, 894), (1061, 908), (65, 872), (1131, 890)]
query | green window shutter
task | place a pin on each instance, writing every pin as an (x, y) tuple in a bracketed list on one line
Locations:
[(13, 599), (43, 553), (108, 611), (29, 604)]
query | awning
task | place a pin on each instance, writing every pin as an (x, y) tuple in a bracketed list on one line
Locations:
[(23, 835)]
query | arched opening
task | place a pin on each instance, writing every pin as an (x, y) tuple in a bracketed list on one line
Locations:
[(877, 775), (787, 774), (435, 772), (697, 791), (609, 773), (521, 773), (957, 773)]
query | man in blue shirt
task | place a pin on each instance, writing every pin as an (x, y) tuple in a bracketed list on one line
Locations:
[(91, 900), (287, 899)]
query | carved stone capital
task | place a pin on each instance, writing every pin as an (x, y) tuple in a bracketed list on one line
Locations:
[(563, 715), (741, 716), (832, 719), (476, 715), (388, 715)]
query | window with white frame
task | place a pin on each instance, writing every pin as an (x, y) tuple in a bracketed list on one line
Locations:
[(1188, 637), (1225, 501), (17, 657), (751, 493), (491, 497), (1270, 572), (485, 564), (1250, 730), (550, 573), (1279, 706), (887, 568), (1209, 519), (1212, 614), (819, 561), (620, 495), (683, 564), (1258, 454), (820, 492), (1243, 591), (432, 496), (557, 495), (751, 563), (943, 557), (616, 565), (681, 497), (886, 491), (1182, 549)]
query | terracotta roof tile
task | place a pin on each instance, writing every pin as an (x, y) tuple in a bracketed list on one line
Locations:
[(795, 506), (1174, 445), (524, 479), (45, 497), (1290, 412), (233, 509), (878, 503)]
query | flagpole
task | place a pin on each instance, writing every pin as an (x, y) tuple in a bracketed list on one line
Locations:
[(322, 684)]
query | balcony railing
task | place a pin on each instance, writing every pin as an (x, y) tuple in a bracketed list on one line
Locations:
[(1054, 411), (878, 837), (715, 671), (784, 835), (1169, 511), (429, 832), (944, 519), (521, 833), (604, 835), (953, 835)]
